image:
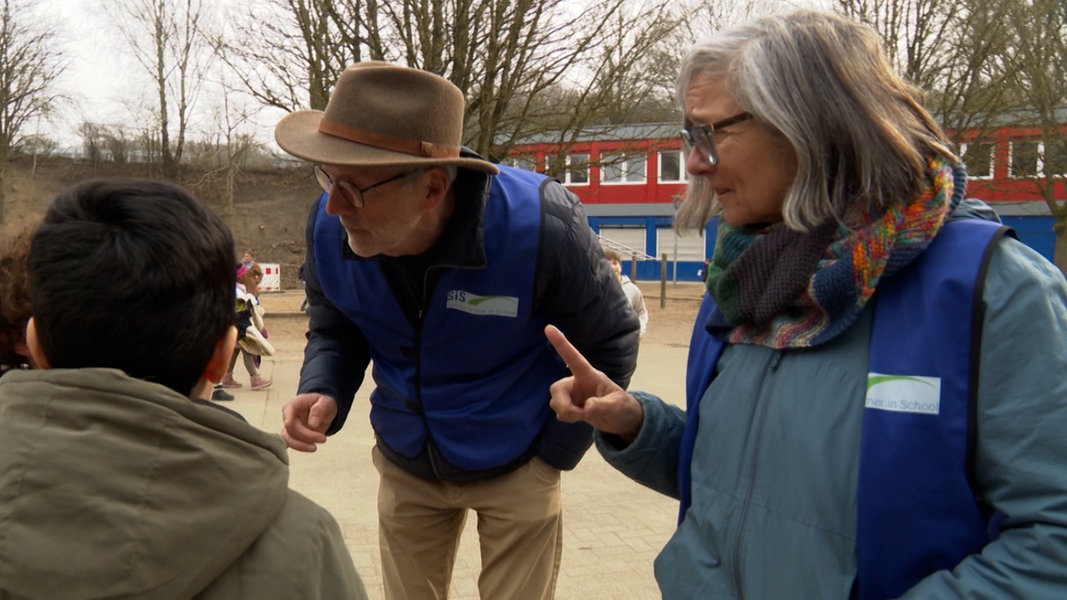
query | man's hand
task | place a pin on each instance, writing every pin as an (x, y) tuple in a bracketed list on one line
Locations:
[(589, 395), (305, 420)]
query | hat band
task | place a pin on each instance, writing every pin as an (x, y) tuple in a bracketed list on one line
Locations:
[(386, 142)]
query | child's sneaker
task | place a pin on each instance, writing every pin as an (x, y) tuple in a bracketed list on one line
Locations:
[(220, 395), (258, 383), (229, 382)]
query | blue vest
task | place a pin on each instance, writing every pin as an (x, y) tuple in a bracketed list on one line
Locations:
[(917, 512), (473, 373)]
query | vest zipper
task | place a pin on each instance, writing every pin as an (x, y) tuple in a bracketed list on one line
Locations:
[(431, 454), (422, 308)]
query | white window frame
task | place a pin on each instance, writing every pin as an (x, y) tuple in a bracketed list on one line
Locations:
[(622, 161), (681, 166), (630, 236), (569, 170), (690, 248), (1041, 162), (992, 164), (1038, 159)]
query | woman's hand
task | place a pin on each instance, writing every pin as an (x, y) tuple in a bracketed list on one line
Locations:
[(589, 395)]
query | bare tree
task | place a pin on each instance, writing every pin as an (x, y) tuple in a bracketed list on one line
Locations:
[(165, 36), (708, 17), (1036, 65), (288, 53), (512, 58), (29, 67), (985, 64), (37, 144), (93, 141), (950, 54), (233, 147), (118, 145)]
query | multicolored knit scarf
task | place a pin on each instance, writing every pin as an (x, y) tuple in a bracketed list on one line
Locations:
[(784, 289)]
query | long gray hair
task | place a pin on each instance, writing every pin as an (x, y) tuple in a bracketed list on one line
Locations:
[(824, 84)]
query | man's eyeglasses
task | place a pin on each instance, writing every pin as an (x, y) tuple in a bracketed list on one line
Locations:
[(702, 137), (351, 193)]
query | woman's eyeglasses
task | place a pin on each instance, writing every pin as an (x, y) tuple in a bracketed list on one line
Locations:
[(702, 137)]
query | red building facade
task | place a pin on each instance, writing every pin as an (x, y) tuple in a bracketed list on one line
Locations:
[(630, 177)]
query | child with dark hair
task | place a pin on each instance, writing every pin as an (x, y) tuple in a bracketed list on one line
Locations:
[(117, 478)]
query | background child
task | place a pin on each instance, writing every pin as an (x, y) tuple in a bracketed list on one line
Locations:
[(251, 331), (633, 293)]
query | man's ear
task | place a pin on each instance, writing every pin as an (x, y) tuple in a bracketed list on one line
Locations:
[(437, 185), (219, 364), (34, 346)]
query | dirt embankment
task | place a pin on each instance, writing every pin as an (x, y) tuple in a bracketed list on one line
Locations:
[(268, 212)]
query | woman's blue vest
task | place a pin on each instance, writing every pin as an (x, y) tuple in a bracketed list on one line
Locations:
[(917, 512), (473, 372)]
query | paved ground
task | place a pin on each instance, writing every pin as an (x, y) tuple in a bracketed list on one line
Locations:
[(613, 528)]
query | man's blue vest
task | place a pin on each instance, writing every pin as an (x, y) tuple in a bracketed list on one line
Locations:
[(917, 512), (474, 371)]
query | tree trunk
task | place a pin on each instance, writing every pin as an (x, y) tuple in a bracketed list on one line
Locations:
[(1059, 252), (3, 195)]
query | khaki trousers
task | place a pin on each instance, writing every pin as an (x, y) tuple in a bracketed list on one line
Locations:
[(520, 527)]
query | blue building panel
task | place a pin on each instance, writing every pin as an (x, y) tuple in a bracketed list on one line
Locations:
[(1033, 230)]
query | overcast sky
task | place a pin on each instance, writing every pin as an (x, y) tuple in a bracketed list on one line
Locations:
[(103, 80)]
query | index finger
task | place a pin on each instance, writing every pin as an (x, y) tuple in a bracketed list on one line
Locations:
[(570, 355)]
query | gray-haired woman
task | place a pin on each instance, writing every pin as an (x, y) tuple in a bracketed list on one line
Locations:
[(876, 384)]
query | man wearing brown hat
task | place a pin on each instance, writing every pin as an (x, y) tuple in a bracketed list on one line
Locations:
[(444, 270)]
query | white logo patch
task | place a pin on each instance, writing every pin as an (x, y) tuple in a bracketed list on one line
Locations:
[(496, 306), (904, 393)]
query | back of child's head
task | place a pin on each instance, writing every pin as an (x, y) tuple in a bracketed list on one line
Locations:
[(135, 275)]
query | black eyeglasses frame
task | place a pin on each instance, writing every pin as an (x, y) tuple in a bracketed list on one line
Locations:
[(353, 193), (702, 137)]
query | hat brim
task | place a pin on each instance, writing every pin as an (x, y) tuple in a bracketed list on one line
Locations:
[(298, 134)]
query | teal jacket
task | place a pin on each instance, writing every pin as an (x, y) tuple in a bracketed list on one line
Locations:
[(776, 460)]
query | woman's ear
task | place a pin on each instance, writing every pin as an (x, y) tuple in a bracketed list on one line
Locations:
[(40, 361)]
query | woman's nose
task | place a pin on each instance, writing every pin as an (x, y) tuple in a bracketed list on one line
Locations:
[(695, 163)]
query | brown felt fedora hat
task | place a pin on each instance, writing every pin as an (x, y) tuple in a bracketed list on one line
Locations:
[(381, 114)]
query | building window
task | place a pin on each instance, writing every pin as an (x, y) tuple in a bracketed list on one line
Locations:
[(1024, 158), (577, 169), (622, 168), (633, 237), (1055, 158), (670, 167), (979, 160)]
